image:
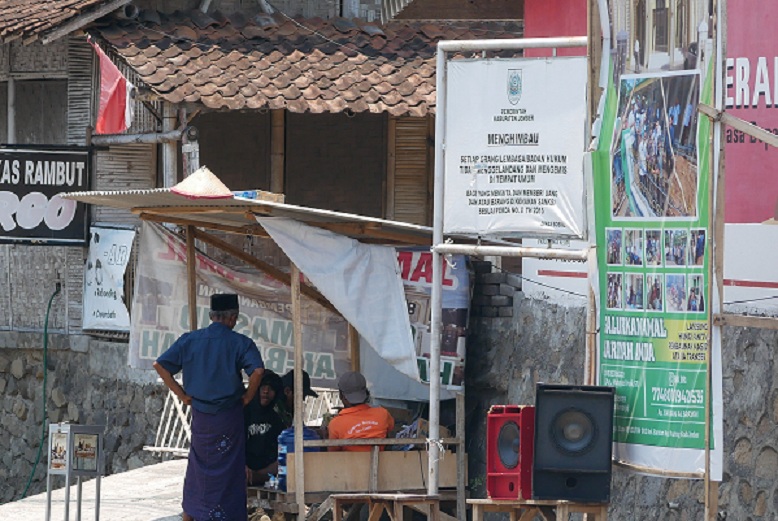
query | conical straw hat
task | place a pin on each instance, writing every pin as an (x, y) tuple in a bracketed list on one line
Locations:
[(202, 184)]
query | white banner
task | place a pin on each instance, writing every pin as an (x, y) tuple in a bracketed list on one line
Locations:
[(515, 138), (161, 314), (109, 252)]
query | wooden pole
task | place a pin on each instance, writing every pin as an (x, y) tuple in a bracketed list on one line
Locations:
[(277, 148), (191, 264), (299, 468), (715, 257), (590, 368), (353, 348), (461, 456), (391, 165)]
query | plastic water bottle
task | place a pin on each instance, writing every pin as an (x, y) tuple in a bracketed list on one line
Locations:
[(285, 446)]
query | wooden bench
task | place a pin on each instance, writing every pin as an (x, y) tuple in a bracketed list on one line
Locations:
[(393, 504), (525, 510)]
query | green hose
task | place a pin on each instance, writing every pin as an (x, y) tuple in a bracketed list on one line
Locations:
[(45, 374)]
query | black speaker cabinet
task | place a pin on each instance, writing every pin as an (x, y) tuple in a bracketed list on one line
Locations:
[(573, 443)]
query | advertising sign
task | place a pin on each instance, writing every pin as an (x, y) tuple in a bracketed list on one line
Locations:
[(515, 138), (109, 252), (651, 185), (416, 271), (30, 207), (751, 181), (161, 314)]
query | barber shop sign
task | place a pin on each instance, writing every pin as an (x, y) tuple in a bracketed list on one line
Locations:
[(31, 180)]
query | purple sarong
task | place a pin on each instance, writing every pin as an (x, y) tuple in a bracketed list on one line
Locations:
[(215, 483)]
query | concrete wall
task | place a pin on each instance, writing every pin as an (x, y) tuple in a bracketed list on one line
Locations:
[(545, 342), (88, 382)]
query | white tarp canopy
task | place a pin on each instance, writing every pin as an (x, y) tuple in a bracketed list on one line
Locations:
[(361, 280)]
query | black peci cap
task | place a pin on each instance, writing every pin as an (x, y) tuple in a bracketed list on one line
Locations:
[(224, 301)]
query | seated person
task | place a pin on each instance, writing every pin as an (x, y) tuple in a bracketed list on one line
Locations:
[(358, 420), (285, 404), (263, 425)]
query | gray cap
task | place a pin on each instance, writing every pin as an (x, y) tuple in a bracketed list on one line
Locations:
[(353, 386)]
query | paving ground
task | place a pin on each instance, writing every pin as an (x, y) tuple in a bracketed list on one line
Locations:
[(151, 493)]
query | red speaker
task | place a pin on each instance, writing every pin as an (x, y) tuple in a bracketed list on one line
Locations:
[(510, 440)]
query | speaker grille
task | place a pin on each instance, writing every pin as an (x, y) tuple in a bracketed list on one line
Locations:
[(508, 444), (573, 431), (573, 443)]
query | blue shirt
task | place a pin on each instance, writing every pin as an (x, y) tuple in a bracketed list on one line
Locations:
[(211, 359)]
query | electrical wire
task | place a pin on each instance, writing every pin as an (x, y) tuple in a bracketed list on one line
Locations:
[(751, 300), (531, 281), (45, 373)]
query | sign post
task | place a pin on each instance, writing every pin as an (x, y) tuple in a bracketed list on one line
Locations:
[(75, 451), (499, 171)]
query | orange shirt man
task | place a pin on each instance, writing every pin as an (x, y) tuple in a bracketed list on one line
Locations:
[(358, 420)]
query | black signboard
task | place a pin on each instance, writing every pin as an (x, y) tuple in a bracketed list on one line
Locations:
[(31, 210)]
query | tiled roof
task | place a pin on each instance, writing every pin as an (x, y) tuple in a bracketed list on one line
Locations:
[(250, 62), (28, 19)]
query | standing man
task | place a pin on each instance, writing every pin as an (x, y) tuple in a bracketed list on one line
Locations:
[(211, 360)]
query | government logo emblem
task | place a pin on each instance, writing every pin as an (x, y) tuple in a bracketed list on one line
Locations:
[(514, 86)]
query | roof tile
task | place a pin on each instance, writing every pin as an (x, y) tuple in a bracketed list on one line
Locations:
[(310, 65)]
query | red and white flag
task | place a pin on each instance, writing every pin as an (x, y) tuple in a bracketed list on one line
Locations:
[(116, 97)]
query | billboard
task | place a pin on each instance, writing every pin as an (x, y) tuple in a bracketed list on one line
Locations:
[(514, 143), (30, 183), (652, 176), (160, 310), (109, 253), (751, 181)]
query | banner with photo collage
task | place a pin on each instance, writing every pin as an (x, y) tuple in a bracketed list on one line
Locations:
[(651, 180)]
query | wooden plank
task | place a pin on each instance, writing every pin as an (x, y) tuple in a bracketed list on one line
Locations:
[(350, 471), (272, 271), (376, 509), (377, 441), (739, 124), (248, 229), (732, 320), (425, 509), (319, 512), (178, 210), (373, 484), (82, 20)]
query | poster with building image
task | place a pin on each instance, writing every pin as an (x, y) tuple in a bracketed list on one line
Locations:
[(85, 452), (651, 197), (58, 451)]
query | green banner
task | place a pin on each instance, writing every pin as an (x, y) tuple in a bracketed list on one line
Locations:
[(651, 189)]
